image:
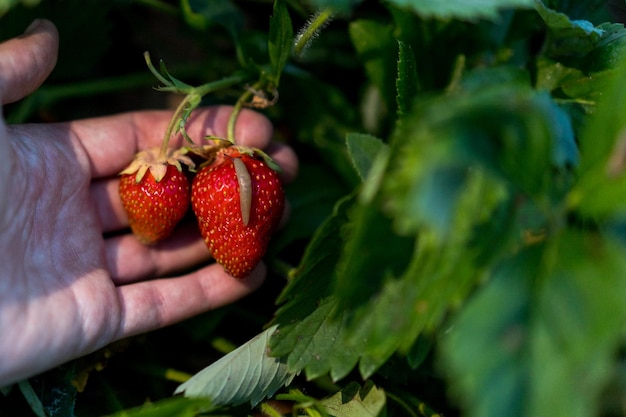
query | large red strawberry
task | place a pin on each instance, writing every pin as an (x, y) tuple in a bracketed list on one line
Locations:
[(239, 201), (155, 193)]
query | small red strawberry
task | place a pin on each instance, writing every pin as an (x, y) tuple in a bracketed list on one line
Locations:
[(155, 193), (239, 201)]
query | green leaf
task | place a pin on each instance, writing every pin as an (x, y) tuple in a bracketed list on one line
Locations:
[(316, 342), (280, 39), (581, 34), (590, 9), (310, 332), (439, 277), (544, 327), (315, 276), (363, 149), (609, 50), (601, 188), (372, 250), (438, 150), (427, 275), (247, 374), (552, 75), (487, 367), (461, 9), (356, 401)]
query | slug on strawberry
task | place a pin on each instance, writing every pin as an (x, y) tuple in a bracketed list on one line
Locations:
[(237, 229)]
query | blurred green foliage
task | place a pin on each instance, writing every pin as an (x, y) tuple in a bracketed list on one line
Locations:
[(457, 229)]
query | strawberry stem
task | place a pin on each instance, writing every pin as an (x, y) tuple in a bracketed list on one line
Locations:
[(154, 71), (173, 123), (191, 101), (311, 30), (207, 88), (230, 131)]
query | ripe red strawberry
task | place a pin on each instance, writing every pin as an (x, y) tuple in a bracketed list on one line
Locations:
[(237, 213), (155, 193)]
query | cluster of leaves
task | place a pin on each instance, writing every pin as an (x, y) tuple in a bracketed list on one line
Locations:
[(488, 221), (460, 209)]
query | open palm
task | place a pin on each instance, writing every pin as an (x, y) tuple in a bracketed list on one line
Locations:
[(72, 280)]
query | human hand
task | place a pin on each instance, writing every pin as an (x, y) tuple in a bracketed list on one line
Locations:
[(70, 284)]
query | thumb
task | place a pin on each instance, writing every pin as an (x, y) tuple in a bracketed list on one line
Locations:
[(27, 60)]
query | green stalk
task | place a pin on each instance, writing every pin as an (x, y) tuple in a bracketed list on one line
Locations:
[(230, 131), (195, 95), (205, 89), (310, 31), (153, 70), (172, 125)]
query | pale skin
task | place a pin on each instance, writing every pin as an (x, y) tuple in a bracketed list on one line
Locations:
[(66, 287)]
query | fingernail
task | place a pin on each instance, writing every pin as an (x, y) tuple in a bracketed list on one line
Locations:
[(33, 26)]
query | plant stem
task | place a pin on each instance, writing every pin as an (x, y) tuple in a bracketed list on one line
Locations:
[(230, 131), (207, 88), (172, 124), (457, 73), (153, 70), (310, 31), (194, 97)]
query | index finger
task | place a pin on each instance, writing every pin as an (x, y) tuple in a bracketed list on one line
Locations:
[(110, 142)]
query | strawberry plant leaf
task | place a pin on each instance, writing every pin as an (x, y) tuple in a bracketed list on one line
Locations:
[(561, 25), (322, 253), (441, 273), (246, 374), (310, 330), (553, 76), (316, 342), (553, 325), (355, 400), (363, 149), (280, 39), (363, 254), (601, 188), (445, 137), (461, 9)]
